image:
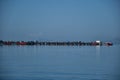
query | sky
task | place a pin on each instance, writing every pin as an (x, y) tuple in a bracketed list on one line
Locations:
[(59, 20)]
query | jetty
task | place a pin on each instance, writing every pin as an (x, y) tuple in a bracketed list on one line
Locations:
[(56, 43)]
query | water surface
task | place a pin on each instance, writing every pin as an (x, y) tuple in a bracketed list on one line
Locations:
[(59, 63)]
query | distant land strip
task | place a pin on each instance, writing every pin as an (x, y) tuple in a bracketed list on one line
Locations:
[(57, 43)]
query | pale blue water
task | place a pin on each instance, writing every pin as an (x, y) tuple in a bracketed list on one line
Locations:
[(59, 63)]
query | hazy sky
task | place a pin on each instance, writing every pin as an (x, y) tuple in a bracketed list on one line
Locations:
[(59, 19)]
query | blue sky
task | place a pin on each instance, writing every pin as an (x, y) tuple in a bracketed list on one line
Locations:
[(65, 20)]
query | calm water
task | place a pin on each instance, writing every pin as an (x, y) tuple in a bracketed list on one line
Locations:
[(59, 63)]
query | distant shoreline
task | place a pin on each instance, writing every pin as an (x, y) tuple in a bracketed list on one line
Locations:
[(52, 43)]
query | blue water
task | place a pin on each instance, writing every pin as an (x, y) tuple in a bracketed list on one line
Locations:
[(59, 63)]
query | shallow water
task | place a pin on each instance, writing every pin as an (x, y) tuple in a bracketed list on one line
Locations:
[(59, 63)]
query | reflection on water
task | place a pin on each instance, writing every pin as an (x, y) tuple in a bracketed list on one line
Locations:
[(98, 52), (59, 63)]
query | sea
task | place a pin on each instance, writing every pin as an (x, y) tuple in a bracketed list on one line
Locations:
[(60, 62)]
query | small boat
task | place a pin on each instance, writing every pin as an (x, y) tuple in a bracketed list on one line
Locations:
[(108, 43)]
